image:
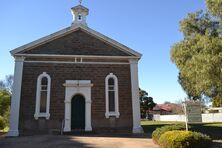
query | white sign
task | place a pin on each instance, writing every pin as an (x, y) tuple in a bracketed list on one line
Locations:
[(192, 112)]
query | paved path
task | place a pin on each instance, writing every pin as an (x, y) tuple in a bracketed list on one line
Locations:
[(97, 141)]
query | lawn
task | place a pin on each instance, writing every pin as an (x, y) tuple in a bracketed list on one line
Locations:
[(214, 130)]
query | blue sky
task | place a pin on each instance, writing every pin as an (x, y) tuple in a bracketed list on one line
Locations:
[(149, 26)]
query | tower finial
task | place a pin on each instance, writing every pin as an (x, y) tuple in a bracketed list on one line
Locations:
[(80, 2)]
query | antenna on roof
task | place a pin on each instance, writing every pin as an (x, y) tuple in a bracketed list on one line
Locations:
[(80, 2)]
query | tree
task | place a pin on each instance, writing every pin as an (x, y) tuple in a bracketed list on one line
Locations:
[(5, 97), (4, 101), (7, 83), (146, 103), (2, 85), (199, 55), (167, 102)]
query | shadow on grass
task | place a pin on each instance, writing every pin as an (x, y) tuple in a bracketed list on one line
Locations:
[(152, 127), (215, 132)]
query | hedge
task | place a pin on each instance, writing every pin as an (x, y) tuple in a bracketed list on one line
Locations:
[(159, 131), (184, 139)]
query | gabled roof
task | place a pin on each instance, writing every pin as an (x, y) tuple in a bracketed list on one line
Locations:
[(71, 29), (166, 107)]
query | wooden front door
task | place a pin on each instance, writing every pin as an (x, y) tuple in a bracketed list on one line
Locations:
[(78, 112)]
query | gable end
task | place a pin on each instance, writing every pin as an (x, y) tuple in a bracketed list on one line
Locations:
[(76, 43)]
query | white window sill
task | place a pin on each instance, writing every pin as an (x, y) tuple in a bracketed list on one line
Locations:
[(44, 115), (111, 114)]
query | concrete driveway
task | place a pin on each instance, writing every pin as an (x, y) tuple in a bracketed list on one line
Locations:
[(90, 141)]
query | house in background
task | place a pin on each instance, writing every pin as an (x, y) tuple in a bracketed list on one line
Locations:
[(214, 110), (78, 77), (167, 109)]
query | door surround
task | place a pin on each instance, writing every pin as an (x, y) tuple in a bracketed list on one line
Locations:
[(77, 87)]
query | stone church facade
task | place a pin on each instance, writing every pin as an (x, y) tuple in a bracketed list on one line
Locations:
[(75, 79)]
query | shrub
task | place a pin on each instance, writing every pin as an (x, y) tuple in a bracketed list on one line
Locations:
[(2, 123), (184, 139), (159, 131)]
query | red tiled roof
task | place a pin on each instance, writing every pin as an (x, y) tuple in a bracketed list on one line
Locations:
[(166, 107)]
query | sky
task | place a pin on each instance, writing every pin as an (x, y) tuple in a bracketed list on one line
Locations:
[(150, 27)]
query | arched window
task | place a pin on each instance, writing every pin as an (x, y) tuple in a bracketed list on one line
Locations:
[(112, 97), (43, 96)]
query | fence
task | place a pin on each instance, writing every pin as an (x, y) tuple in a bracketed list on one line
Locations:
[(206, 118)]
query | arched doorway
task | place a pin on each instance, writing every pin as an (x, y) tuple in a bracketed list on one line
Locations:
[(78, 112)]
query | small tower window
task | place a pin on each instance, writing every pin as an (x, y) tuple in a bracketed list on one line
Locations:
[(79, 17)]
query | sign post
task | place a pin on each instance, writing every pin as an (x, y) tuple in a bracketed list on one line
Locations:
[(185, 111), (192, 110)]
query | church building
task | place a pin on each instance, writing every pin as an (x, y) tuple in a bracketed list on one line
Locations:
[(76, 79)]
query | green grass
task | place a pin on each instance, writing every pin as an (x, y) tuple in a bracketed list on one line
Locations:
[(214, 130), (150, 126)]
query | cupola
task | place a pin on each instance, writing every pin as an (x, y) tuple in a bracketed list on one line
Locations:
[(79, 13)]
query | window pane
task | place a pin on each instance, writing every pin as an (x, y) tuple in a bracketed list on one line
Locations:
[(111, 87), (44, 81), (111, 101), (44, 88), (43, 100), (111, 81)]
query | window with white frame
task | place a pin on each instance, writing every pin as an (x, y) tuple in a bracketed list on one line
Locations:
[(112, 97), (43, 96)]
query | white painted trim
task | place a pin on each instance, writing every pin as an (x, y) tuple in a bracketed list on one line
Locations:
[(70, 62), (116, 90), (38, 97), (135, 96), (72, 88), (73, 28), (16, 97), (77, 85), (77, 56)]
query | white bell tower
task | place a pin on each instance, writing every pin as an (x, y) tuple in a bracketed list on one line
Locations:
[(79, 13)]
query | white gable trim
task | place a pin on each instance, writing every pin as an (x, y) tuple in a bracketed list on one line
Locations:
[(67, 30), (76, 56), (75, 62)]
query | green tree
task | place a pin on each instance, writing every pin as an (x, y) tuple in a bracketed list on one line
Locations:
[(5, 97), (199, 55), (4, 101), (167, 102), (2, 123), (7, 83), (4, 108), (146, 103)]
